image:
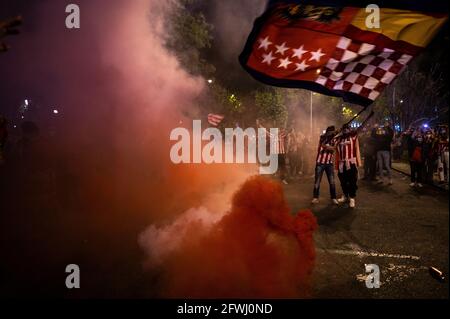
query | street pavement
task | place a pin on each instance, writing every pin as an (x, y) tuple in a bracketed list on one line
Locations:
[(403, 167), (402, 230)]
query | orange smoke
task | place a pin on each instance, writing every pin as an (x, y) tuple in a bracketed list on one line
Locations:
[(257, 250)]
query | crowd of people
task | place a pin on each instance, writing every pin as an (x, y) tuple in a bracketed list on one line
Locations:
[(344, 152), (428, 153), (424, 148), (377, 152), (371, 147), (294, 149), (298, 151)]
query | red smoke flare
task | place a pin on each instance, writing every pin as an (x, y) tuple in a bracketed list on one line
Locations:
[(257, 250)]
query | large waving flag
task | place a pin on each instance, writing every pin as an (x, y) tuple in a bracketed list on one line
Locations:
[(326, 46)]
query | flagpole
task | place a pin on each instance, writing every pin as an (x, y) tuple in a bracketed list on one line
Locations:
[(311, 116)]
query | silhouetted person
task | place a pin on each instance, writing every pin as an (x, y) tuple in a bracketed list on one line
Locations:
[(383, 138), (416, 156), (442, 152), (430, 155), (280, 149), (370, 155), (397, 148), (3, 137)]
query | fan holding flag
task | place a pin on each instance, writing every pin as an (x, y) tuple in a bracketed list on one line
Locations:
[(327, 46)]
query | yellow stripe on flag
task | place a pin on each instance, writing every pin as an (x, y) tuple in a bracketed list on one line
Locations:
[(403, 25)]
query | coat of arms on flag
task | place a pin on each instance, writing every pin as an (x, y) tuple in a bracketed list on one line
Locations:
[(329, 49)]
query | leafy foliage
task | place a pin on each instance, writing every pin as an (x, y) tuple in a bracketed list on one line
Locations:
[(422, 86), (421, 91), (271, 107), (188, 35)]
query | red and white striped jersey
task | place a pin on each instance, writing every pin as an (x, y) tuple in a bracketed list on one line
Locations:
[(325, 156), (442, 146), (277, 142), (280, 143), (347, 152)]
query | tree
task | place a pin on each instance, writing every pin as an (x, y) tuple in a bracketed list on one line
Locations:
[(222, 101), (190, 39), (420, 91), (189, 34)]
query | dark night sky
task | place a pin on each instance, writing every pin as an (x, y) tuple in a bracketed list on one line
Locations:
[(45, 58)]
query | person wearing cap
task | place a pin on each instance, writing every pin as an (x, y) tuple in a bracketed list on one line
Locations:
[(348, 159), (383, 137), (324, 163)]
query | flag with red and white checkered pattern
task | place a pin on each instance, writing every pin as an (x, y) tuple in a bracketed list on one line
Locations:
[(361, 68), (330, 50)]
